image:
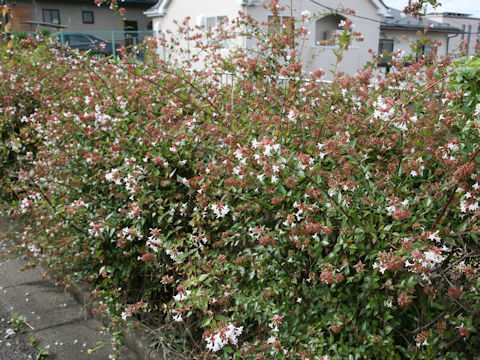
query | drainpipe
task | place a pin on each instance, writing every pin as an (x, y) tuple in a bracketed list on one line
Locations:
[(448, 41), (245, 4), (468, 38), (36, 14), (245, 36)]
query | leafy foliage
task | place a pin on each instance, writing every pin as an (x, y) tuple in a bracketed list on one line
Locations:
[(270, 216)]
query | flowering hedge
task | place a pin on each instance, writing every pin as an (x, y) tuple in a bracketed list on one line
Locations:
[(264, 217)]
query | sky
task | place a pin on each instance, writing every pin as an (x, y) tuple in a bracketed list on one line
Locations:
[(460, 6)]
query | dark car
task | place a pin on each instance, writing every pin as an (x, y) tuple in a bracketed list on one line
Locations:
[(85, 42)]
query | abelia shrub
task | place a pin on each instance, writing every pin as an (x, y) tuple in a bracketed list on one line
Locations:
[(266, 217)]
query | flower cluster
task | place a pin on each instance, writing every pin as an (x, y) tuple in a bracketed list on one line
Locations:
[(323, 219)]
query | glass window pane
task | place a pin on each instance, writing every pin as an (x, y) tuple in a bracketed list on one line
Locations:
[(385, 45), (211, 21), (51, 16), (87, 17)]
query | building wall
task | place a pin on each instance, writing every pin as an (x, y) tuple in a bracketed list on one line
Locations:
[(469, 25), (71, 15), (411, 37), (313, 56)]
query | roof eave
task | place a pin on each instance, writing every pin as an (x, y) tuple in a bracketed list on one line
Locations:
[(382, 9), (158, 10), (421, 28), (151, 14)]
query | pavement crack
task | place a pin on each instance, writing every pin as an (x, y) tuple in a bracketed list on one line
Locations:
[(70, 322)]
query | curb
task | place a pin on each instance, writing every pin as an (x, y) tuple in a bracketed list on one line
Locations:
[(137, 340)]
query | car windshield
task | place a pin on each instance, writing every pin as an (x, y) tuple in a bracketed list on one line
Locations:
[(73, 38), (96, 39)]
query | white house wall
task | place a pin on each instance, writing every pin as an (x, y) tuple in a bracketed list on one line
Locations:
[(321, 57), (463, 23), (313, 56), (179, 9), (71, 15), (405, 45)]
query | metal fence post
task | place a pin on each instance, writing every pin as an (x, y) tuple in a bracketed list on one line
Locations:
[(114, 51)]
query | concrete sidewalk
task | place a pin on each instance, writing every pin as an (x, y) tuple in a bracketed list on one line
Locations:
[(59, 323)]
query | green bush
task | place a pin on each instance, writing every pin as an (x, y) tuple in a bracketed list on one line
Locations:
[(266, 217)]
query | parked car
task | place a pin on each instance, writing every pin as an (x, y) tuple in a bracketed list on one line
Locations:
[(85, 42)]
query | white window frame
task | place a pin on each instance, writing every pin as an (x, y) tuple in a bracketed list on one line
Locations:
[(209, 23), (327, 33)]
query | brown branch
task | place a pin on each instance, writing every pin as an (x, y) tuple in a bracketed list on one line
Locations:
[(417, 95), (53, 207), (450, 199)]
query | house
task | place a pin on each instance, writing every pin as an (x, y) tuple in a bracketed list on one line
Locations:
[(325, 23), (470, 31), (399, 31), (77, 15)]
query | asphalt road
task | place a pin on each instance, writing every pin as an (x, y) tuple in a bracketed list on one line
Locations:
[(56, 321), (15, 346)]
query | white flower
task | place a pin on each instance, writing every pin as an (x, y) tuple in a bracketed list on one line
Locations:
[(473, 207), (453, 147), (182, 295), (391, 209), (432, 258), (380, 267), (224, 335), (305, 13), (400, 126), (268, 149), (177, 318), (477, 110), (434, 237), (9, 332), (220, 211)]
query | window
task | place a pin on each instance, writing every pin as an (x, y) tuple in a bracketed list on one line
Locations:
[(210, 23), (87, 17), (213, 21), (326, 28), (385, 45), (428, 51), (76, 39), (51, 16), (286, 22)]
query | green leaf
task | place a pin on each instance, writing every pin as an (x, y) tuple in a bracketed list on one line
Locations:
[(205, 322)]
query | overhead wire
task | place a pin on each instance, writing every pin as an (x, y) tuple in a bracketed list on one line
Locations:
[(353, 15)]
